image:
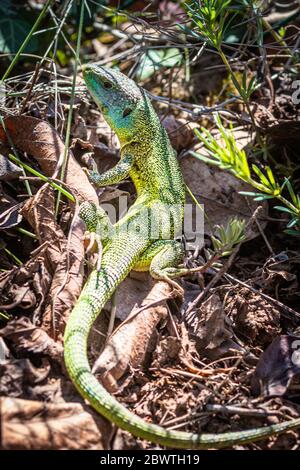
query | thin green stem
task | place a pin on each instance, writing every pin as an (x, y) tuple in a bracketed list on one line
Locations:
[(288, 204), (240, 91), (275, 35), (14, 257), (4, 316), (27, 233), (70, 114), (201, 208), (42, 177), (263, 189)]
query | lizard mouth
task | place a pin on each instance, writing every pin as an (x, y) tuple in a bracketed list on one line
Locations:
[(103, 109), (94, 85), (97, 73), (89, 73), (86, 68)]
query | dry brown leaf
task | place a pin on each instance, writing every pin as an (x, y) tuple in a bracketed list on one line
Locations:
[(10, 217), (18, 375), (8, 170), (213, 334), (277, 366), (41, 140), (39, 210), (9, 210), (66, 259), (132, 291), (104, 156), (29, 338), (27, 424), (129, 343), (26, 286)]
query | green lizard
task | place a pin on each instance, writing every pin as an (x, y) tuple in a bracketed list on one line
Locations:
[(148, 158)]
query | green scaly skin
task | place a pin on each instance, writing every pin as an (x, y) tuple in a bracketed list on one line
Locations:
[(148, 158)]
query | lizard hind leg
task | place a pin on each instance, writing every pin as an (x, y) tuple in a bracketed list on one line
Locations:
[(168, 254), (144, 262), (165, 262)]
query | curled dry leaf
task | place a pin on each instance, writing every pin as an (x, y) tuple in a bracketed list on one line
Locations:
[(280, 273), (104, 155), (41, 140), (9, 210), (26, 286), (277, 366), (130, 342), (10, 217), (29, 338), (27, 424), (213, 334), (17, 375), (8, 170)]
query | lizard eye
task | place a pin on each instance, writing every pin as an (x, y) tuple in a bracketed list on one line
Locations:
[(107, 85), (126, 112)]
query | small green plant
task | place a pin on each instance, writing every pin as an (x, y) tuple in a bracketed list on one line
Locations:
[(226, 154), (210, 18), (225, 238), (213, 19)]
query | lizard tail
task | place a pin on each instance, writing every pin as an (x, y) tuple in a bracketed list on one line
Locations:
[(97, 291)]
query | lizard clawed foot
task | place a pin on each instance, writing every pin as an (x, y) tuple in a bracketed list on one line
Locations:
[(93, 246), (90, 242)]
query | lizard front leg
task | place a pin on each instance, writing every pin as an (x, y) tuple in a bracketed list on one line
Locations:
[(116, 174), (96, 221), (99, 228), (95, 218)]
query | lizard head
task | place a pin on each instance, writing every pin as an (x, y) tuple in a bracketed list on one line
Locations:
[(119, 98)]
